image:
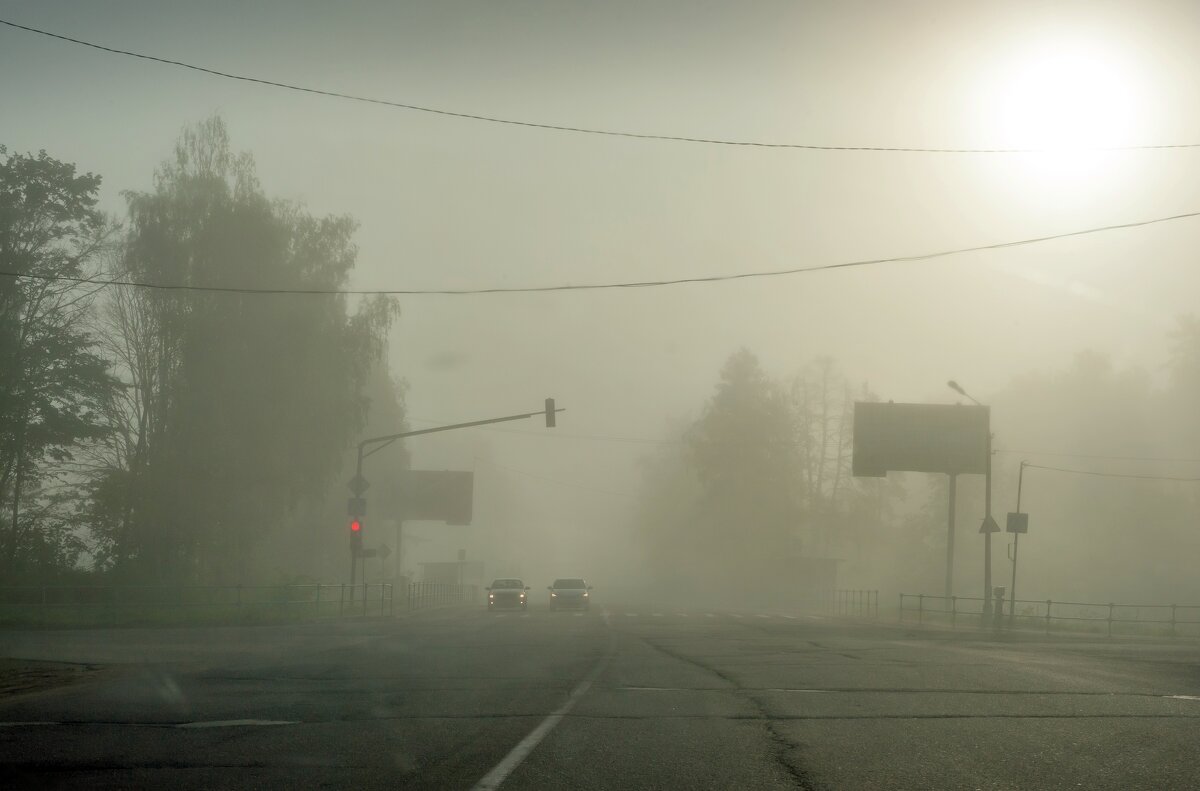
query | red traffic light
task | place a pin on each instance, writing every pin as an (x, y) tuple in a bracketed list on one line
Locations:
[(355, 526)]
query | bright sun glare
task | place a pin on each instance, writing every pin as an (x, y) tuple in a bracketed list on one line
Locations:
[(1069, 100)]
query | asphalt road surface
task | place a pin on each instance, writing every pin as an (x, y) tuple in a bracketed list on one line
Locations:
[(619, 697)]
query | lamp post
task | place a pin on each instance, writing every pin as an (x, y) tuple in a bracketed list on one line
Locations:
[(987, 508)]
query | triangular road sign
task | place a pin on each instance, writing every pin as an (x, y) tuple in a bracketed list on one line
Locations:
[(989, 525)]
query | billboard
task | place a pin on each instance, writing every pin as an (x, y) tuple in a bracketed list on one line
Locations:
[(951, 439), (437, 495)]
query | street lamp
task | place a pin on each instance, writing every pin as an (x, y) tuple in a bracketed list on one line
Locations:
[(987, 528)]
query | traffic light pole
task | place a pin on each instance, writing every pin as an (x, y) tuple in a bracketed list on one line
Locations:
[(382, 442)]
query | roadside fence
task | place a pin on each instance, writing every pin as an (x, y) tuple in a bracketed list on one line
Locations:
[(850, 603), (435, 594), (99, 605), (1046, 614)]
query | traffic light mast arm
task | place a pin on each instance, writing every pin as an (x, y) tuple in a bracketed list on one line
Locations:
[(388, 439)]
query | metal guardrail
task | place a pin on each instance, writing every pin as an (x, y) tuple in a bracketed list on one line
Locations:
[(434, 594), (1176, 618), (113, 604)]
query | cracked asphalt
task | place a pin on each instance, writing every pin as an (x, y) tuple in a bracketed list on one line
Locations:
[(680, 699)]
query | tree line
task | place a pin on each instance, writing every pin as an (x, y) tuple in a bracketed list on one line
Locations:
[(165, 435), (760, 483)]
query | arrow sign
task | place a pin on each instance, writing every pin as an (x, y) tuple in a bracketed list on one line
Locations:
[(358, 485), (989, 525)]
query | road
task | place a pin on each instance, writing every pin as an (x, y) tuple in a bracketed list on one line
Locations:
[(621, 697)]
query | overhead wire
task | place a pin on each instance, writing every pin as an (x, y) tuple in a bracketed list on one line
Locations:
[(1098, 474), (614, 285), (1098, 456), (559, 127)]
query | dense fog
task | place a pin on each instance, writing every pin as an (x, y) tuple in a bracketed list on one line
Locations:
[(205, 433)]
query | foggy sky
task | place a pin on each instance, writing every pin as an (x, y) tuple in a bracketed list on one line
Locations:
[(450, 203)]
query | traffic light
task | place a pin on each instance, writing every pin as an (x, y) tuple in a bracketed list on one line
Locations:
[(549, 413), (356, 536)]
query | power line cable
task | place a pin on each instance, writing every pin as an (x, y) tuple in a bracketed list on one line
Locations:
[(1097, 456), (617, 285), (562, 127), (1113, 474)]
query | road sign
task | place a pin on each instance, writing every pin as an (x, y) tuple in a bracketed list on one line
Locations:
[(356, 506), (358, 485), (462, 555), (383, 551), (989, 525), (1017, 523)]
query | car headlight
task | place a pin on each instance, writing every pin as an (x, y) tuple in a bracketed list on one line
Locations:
[(553, 595), (585, 594), (522, 595)]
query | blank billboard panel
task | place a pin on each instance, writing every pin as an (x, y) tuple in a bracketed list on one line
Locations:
[(920, 438), (437, 495)]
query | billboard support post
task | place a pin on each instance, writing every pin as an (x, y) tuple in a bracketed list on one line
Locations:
[(949, 439), (987, 536), (950, 538)]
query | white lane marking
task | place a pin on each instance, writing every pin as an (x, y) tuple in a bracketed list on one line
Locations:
[(719, 689), (25, 724), (789, 617), (681, 615), (578, 614), (631, 615), (501, 615), (760, 615), (1183, 697), (524, 615), (656, 614), (234, 723), (710, 615), (814, 617), (500, 772)]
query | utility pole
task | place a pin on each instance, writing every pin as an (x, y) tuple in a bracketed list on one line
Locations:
[(1012, 597), (989, 525)]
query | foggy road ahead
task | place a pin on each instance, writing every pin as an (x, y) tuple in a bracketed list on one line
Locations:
[(620, 697)]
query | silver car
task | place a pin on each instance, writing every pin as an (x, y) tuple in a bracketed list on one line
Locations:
[(569, 593)]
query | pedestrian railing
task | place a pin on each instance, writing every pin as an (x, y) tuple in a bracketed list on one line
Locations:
[(1046, 614), (82, 605), (849, 603), (434, 594)]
